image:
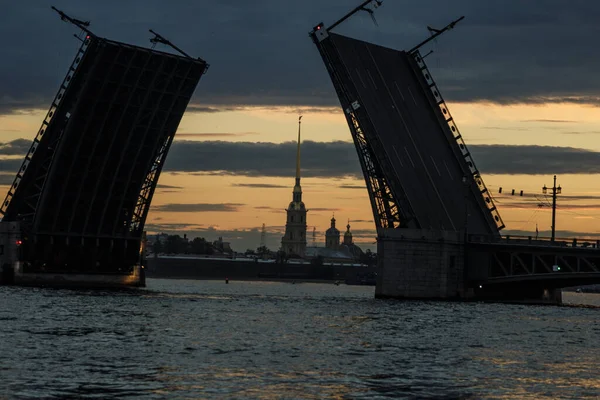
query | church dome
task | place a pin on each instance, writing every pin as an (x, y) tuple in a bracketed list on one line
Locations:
[(333, 230)]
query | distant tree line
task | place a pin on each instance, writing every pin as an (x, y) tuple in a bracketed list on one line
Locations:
[(369, 258), (175, 244)]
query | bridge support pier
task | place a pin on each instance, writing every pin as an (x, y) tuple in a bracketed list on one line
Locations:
[(421, 264)]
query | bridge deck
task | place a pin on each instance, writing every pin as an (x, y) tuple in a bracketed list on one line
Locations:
[(85, 187), (424, 156)]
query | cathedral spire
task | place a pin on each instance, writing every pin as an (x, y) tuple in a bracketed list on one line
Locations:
[(297, 187), (298, 153), (294, 240)]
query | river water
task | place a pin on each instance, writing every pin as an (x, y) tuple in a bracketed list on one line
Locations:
[(205, 339)]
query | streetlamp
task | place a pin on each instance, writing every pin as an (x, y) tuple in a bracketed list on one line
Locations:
[(555, 191)]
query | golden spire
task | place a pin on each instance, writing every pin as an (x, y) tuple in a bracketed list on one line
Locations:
[(298, 153)]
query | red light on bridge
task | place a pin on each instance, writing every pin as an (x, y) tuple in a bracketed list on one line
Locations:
[(19, 242)]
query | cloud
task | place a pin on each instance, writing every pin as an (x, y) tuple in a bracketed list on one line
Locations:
[(319, 159), (535, 160), (260, 185), (339, 159), (560, 234), (580, 132), (198, 207), (505, 128), (506, 52), (362, 187), (269, 208), (335, 160), (169, 227), (196, 108), (554, 121), (242, 239), (7, 179), (214, 135), (161, 186), (10, 165), (18, 147)]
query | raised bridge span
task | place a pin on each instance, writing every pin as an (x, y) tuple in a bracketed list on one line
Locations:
[(438, 227), (77, 207)]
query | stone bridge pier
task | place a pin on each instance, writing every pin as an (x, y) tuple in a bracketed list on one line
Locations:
[(436, 265), (421, 264)]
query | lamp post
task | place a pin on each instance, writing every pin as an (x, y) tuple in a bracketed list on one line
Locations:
[(555, 191)]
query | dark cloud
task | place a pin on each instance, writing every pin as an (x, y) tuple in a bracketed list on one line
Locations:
[(10, 165), (170, 227), (260, 185), (6, 179), (580, 133), (535, 160), (319, 159), (505, 128), (198, 207), (260, 54), (362, 187), (161, 186), (338, 160), (268, 208), (214, 135), (506, 195), (208, 109), (560, 206), (553, 121), (18, 147), (560, 234)]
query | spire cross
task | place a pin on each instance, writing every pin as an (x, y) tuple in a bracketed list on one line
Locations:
[(298, 152)]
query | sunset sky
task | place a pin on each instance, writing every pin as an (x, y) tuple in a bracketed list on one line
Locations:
[(521, 80)]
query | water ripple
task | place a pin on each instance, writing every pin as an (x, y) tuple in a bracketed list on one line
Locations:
[(197, 339)]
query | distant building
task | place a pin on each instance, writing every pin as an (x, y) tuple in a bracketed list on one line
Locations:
[(332, 236), (221, 246), (294, 239), (346, 252), (349, 247)]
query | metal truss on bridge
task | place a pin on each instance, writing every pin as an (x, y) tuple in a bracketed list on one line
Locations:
[(389, 203), (84, 189), (418, 170), (523, 260)]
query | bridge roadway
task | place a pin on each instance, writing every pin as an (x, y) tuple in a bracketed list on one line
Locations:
[(424, 155), (522, 268)]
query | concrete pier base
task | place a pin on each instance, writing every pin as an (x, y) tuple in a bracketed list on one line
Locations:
[(421, 264), (14, 275)]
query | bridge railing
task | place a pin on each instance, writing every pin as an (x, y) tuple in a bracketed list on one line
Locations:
[(462, 147), (589, 243)]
